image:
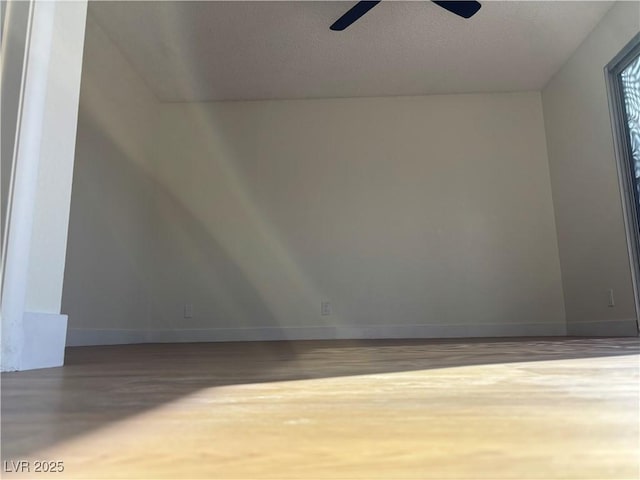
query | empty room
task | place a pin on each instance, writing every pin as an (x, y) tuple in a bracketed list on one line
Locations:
[(311, 239)]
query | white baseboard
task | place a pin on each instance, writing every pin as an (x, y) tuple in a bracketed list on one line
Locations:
[(86, 337), (44, 340), (606, 328)]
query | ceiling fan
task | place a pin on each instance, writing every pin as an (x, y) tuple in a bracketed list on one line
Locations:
[(465, 9)]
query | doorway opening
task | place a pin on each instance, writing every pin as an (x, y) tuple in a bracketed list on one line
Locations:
[(623, 83)]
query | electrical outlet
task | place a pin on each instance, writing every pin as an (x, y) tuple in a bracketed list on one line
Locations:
[(325, 308), (188, 310), (612, 302)]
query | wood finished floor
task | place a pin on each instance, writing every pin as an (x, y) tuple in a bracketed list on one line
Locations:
[(476, 409)]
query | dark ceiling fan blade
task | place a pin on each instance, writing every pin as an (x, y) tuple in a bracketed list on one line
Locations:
[(354, 13), (463, 9)]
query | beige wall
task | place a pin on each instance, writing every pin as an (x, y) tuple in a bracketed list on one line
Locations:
[(425, 216), (592, 243), (107, 284), (414, 216)]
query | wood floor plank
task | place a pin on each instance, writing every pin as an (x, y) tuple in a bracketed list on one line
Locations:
[(457, 409)]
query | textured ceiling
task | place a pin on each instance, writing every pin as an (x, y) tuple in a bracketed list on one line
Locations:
[(188, 51)]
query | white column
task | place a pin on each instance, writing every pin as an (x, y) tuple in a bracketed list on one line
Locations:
[(25, 183), (33, 332)]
